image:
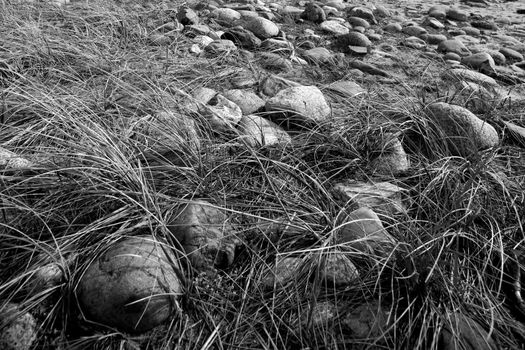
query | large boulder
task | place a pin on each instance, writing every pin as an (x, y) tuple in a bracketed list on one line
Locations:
[(302, 104), (205, 234), (132, 286), (464, 132)]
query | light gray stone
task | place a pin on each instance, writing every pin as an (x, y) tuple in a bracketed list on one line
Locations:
[(257, 131)]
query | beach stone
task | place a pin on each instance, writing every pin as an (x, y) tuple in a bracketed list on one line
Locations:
[(434, 39), (457, 14), (187, 16), (511, 55), (196, 29), (393, 159), (458, 74), (393, 28), (366, 321), (359, 29), (206, 236), (414, 42), (516, 131), (481, 61), (358, 22), (433, 23), (20, 329), (362, 230), (484, 24), (334, 27), (331, 11), (321, 315), (454, 46), (363, 12), (382, 197), (247, 100), (262, 28), (451, 56), (456, 32), (277, 45), (352, 39), (242, 37), (131, 286), (346, 88), (313, 13), (284, 270), (438, 11), (220, 47), (338, 270), (465, 132), (414, 30), (382, 11), (225, 16), (257, 131), (272, 84), (320, 55), (497, 56), (357, 50), (274, 62), (307, 104), (475, 32)]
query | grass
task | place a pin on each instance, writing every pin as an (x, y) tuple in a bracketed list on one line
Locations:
[(103, 116)]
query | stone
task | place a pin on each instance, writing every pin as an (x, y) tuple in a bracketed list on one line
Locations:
[(202, 41), (451, 56), (393, 158), (19, 329), (204, 233), (222, 114), (313, 13), (438, 11), (516, 131), (257, 131), (382, 11), (283, 271), (352, 39), (362, 230), (366, 321), (302, 104), (262, 28), (274, 62), (457, 14), (10, 160), (478, 98), (433, 23), (455, 46), (383, 197), (247, 100), (331, 11), (357, 50), (220, 47), (338, 270), (393, 28), (242, 37), (334, 27), (475, 32), (272, 84), (465, 133), (225, 16), (363, 12), (320, 55), (484, 24), (358, 22), (456, 32), (414, 31), (346, 88), (497, 56), (321, 314), (434, 39), (481, 61), (458, 74), (511, 55), (132, 285), (280, 46), (187, 16), (461, 331), (43, 278), (414, 42)]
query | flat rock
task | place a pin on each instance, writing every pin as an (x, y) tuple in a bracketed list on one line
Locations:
[(414, 30), (454, 46), (306, 104), (257, 131), (320, 55), (247, 100), (457, 14), (131, 286), (363, 12), (346, 88), (334, 27), (465, 132)]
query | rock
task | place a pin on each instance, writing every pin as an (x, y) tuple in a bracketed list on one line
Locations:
[(363, 231), (321, 315), (454, 46), (10, 160), (242, 37), (19, 329), (456, 14), (320, 55), (225, 16), (247, 14), (274, 62), (359, 29), (352, 39), (334, 27), (393, 28), (131, 286), (481, 61), (158, 39), (414, 42), (434, 39), (433, 23), (220, 47), (438, 11), (414, 30), (478, 98), (516, 131), (471, 31), (368, 68), (382, 11), (465, 132), (331, 11), (357, 50), (43, 278), (451, 56), (202, 41), (187, 16), (459, 74), (366, 321), (383, 197), (511, 55), (375, 36), (484, 24), (272, 84), (280, 46), (338, 270), (393, 158), (358, 22), (205, 234), (262, 28), (196, 29), (497, 56), (346, 88), (283, 271), (363, 12), (247, 100), (257, 131), (313, 13), (456, 32), (303, 104), (460, 331)]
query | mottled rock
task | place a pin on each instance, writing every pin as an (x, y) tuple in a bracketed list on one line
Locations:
[(272, 84), (334, 27), (358, 22), (262, 28), (187, 16), (457, 14), (247, 100), (221, 113), (303, 104), (203, 231), (283, 271), (454, 46), (320, 55), (20, 329), (414, 30), (338, 270), (363, 12), (313, 13), (383, 197), (393, 158), (131, 286), (366, 321), (274, 62), (465, 132), (220, 47), (257, 131)]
